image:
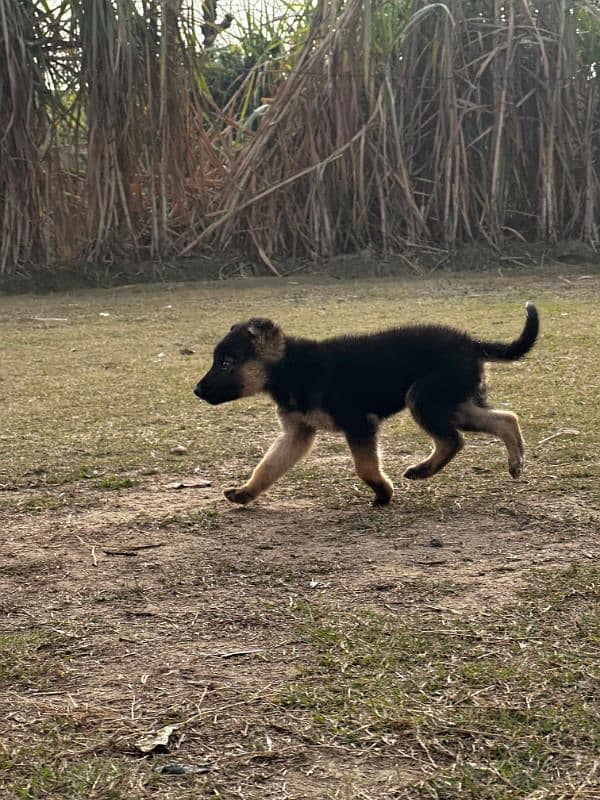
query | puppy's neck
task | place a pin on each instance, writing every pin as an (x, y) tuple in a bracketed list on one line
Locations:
[(286, 381)]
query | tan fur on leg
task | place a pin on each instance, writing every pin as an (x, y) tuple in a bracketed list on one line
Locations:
[(443, 451), (503, 424), (366, 462), (286, 450)]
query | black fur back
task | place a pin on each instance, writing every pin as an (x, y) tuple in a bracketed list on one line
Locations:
[(351, 377)]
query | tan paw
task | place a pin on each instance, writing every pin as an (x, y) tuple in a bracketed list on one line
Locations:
[(381, 500), (516, 467), (240, 496)]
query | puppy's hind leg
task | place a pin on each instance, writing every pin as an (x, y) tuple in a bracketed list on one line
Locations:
[(433, 411), (286, 450), (503, 424), (444, 449)]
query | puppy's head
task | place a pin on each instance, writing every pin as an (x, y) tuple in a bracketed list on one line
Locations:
[(241, 361)]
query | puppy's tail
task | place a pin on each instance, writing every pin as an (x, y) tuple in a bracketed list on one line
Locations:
[(498, 351)]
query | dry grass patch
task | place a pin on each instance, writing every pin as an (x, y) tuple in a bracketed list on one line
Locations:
[(101, 400), (495, 707), (308, 646)]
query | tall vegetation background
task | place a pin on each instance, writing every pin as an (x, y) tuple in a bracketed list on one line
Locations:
[(147, 130)]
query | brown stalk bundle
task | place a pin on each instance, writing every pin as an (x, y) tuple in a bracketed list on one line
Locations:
[(23, 138), (411, 122), (390, 123), (147, 152), (103, 148)]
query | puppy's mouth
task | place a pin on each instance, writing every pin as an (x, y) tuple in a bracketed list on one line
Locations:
[(207, 397), (213, 399)]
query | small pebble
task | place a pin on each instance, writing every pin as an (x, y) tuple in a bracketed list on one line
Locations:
[(435, 541), (179, 450)]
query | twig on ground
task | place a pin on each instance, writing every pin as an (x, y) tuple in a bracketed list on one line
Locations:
[(561, 432)]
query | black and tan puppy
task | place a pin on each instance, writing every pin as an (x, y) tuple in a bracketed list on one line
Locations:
[(351, 383)]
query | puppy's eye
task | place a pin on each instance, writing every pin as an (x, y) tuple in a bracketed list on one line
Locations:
[(226, 362)]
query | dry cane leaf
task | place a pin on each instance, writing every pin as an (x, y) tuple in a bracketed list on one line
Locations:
[(196, 484), (152, 741)]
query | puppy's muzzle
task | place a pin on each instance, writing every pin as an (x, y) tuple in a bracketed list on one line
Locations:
[(217, 390), (204, 393)]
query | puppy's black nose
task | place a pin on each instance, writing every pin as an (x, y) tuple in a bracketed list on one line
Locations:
[(198, 390)]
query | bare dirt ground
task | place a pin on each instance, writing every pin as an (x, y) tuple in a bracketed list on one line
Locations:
[(129, 605), (165, 614)]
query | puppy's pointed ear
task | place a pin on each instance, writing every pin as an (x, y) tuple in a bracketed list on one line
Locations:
[(268, 338), (260, 326)]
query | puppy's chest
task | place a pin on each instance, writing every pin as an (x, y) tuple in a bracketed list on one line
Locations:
[(317, 419), (300, 406), (320, 420)]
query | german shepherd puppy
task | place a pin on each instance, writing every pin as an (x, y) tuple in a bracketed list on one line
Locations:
[(352, 383)]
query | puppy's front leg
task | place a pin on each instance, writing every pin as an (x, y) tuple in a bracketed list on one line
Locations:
[(286, 450), (366, 461)]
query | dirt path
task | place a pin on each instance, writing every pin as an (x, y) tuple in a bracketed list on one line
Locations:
[(170, 605)]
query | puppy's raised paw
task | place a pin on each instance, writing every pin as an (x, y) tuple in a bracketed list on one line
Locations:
[(240, 496), (418, 472)]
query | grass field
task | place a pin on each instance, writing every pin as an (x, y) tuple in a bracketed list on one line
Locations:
[(308, 646)]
